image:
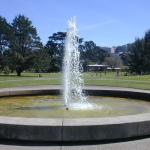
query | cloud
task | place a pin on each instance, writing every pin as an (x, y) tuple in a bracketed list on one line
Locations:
[(100, 24)]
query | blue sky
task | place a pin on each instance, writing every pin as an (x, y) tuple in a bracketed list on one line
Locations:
[(106, 22)]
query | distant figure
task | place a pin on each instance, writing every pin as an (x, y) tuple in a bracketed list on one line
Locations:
[(39, 75), (117, 72)]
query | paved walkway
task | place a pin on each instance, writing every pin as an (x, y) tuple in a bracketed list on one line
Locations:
[(142, 144)]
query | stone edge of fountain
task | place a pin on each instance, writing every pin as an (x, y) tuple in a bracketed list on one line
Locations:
[(81, 129)]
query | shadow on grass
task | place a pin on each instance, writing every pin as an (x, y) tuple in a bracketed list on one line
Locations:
[(14, 75)]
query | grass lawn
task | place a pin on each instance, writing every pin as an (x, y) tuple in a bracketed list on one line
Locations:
[(110, 79)]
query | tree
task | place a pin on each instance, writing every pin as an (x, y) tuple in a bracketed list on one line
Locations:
[(120, 49), (4, 43), (136, 56), (92, 53), (146, 52), (113, 61), (55, 50), (23, 42), (100, 55), (41, 61)]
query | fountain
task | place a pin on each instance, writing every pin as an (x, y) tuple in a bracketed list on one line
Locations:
[(105, 113), (74, 97)]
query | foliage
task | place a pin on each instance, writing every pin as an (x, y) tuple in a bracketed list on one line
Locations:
[(92, 54), (136, 59), (4, 32), (23, 42), (147, 51), (54, 49), (139, 55), (113, 61), (21, 49), (6, 70)]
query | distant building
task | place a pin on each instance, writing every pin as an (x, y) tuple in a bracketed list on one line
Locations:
[(97, 67), (113, 49)]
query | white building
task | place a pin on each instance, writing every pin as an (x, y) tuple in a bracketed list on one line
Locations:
[(113, 49)]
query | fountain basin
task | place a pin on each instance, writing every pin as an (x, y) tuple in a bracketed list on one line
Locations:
[(76, 129), (52, 106)]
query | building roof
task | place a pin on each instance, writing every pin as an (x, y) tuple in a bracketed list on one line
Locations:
[(96, 65)]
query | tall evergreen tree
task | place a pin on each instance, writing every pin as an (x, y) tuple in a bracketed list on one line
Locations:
[(23, 42), (4, 43), (147, 51), (136, 56)]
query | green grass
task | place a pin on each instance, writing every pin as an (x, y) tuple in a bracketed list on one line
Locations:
[(110, 79)]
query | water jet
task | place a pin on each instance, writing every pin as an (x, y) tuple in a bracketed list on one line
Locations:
[(73, 80)]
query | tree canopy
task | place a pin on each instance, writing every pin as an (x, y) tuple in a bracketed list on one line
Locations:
[(4, 33), (21, 48), (138, 55), (23, 41)]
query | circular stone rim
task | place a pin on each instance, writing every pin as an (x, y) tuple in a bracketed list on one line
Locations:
[(79, 129)]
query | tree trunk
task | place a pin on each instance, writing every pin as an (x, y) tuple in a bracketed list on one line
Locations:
[(18, 72)]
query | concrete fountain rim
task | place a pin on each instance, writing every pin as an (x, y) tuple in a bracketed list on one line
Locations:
[(79, 129)]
